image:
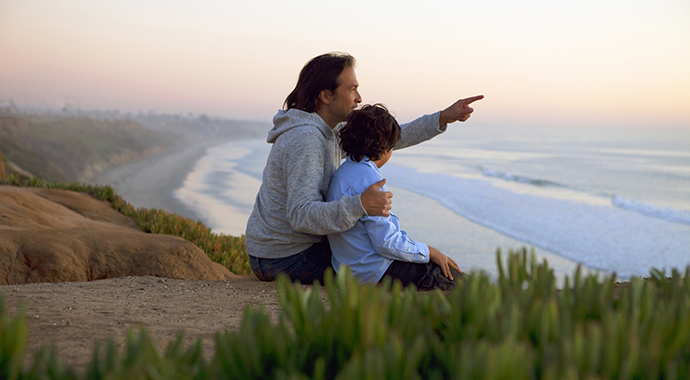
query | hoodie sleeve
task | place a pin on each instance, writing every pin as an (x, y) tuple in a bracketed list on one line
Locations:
[(420, 130), (307, 212)]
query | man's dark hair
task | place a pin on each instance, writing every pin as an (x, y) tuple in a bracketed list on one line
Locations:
[(370, 131), (321, 73)]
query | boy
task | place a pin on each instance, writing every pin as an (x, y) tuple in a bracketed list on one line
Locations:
[(376, 247)]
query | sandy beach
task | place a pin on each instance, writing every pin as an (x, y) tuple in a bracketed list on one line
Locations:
[(150, 182)]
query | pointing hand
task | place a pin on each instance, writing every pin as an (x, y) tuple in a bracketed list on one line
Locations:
[(458, 111)]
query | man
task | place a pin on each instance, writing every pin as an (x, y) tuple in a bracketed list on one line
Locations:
[(286, 232)]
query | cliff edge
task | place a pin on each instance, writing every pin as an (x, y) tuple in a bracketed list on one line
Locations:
[(51, 235)]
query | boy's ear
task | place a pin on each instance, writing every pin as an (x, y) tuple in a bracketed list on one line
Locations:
[(325, 96)]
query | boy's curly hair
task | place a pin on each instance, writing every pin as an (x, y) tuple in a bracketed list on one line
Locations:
[(370, 131)]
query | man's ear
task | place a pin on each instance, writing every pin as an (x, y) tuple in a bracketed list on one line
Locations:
[(325, 96)]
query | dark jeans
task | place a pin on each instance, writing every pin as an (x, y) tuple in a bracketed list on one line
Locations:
[(424, 276), (306, 267)]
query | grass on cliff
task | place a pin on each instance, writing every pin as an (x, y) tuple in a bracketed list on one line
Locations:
[(226, 250)]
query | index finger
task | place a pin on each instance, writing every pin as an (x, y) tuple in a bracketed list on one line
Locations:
[(468, 101)]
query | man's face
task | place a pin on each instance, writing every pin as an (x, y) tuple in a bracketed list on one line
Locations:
[(346, 97)]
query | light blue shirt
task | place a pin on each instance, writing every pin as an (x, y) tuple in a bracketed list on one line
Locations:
[(369, 247)]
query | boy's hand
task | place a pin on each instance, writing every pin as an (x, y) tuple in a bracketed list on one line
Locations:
[(445, 262), (375, 201)]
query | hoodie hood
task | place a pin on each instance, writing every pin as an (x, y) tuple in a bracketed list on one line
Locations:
[(286, 120)]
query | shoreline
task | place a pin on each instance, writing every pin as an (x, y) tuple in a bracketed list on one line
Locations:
[(150, 182), (471, 245), (221, 189)]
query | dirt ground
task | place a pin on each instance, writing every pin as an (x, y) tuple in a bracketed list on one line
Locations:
[(76, 315)]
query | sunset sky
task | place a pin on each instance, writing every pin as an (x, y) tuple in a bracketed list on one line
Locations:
[(538, 62)]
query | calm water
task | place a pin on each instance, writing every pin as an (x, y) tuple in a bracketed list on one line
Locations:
[(613, 200)]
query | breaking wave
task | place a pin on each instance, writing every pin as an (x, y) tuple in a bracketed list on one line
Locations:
[(667, 214), (521, 179)]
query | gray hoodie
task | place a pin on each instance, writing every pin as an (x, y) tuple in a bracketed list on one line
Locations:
[(290, 213)]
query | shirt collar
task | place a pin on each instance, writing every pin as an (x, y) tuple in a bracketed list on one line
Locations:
[(366, 160)]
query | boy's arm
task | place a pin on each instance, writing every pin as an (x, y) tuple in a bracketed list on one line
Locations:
[(392, 243)]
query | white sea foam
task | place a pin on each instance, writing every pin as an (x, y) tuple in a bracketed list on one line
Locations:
[(665, 213), (218, 191), (601, 237)]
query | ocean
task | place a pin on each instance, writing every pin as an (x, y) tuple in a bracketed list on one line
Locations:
[(611, 200)]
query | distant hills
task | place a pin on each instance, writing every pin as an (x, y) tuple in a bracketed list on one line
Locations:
[(202, 127), (73, 145)]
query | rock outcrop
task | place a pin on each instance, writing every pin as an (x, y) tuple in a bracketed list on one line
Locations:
[(50, 235)]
